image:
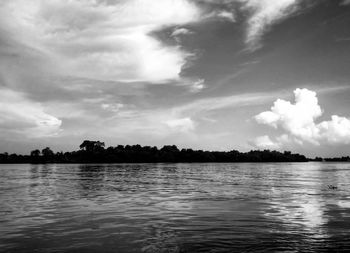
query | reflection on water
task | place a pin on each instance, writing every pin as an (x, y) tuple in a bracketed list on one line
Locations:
[(175, 208)]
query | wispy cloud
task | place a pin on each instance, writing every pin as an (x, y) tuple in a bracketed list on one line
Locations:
[(161, 122), (197, 86), (23, 117), (264, 142), (264, 14), (216, 103), (98, 40), (346, 2), (180, 31)]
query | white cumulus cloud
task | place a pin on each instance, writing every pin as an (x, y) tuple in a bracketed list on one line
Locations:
[(298, 121)]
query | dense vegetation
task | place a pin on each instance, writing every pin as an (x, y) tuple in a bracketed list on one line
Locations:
[(95, 152), (338, 159)]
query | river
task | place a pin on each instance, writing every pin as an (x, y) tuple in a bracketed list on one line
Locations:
[(243, 207)]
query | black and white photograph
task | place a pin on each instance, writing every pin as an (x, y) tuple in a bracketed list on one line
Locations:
[(174, 126)]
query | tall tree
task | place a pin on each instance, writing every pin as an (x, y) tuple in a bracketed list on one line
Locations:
[(92, 146), (35, 153), (47, 152)]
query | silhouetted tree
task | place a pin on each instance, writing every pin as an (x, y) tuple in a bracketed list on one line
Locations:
[(47, 152), (35, 153), (169, 148), (92, 146)]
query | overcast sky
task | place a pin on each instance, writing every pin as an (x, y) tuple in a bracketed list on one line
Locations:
[(204, 74)]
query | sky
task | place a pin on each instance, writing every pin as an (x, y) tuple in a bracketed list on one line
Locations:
[(201, 74)]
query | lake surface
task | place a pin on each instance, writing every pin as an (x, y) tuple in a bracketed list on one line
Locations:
[(175, 207)]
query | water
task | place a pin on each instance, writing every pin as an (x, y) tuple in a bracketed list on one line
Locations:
[(175, 208)]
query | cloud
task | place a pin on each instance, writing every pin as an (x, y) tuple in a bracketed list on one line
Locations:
[(337, 130), (216, 103), (99, 39), (182, 125), (180, 31), (127, 120), (345, 2), (112, 107), (298, 121), (21, 116), (226, 15), (197, 86), (123, 120), (222, 15), (260, 15), (162, 122), (114, 40), (298, 118), (265, 142), (265, 13)]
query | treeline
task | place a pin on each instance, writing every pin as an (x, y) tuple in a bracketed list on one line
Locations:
[(338, 159), (95, 152)]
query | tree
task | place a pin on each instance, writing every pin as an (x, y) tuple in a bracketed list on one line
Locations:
[(92, 146), (47, 152), (35, 153), (170, 149)]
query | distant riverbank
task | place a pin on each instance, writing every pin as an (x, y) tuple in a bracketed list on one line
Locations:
[(95, 152)]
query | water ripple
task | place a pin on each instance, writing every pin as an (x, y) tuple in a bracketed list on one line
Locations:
[(175, 208)]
